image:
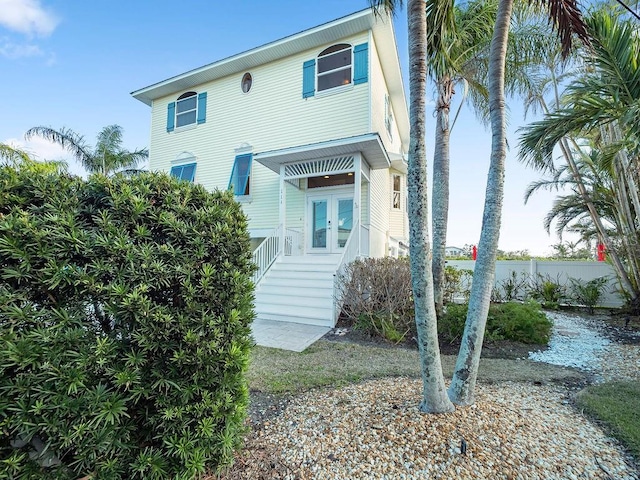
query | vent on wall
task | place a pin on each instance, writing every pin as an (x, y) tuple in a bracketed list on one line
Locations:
[(312, 168)]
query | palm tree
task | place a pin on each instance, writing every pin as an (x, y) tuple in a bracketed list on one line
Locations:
[(18, 158), (106, 157), (458, 55), (435, 398), (602, 103), (568, 21), (454, 56)]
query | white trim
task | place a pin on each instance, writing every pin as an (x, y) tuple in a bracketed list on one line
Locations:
[(350, 66)]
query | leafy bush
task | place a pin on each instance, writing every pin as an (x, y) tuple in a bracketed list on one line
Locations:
[(549, 292), (520, 322), (376, 297), (457, 282), (125, 306), (588, 293), (514, 287)]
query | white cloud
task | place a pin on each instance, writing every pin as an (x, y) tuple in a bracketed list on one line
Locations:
[(28, 17), (13, 50), (42, 150)]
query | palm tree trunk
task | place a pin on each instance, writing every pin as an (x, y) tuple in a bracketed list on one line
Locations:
[(434, 392), (440, 196), (462, 387)]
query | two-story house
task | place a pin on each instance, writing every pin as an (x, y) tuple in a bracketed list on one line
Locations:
[(310, 132)]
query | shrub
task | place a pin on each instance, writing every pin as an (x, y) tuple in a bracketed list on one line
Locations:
[(520, 322), (125, 306), (457, 282), (514, 287), (588, 293), (549, 292), (376, 297)]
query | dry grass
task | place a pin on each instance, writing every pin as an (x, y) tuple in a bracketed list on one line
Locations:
[(335, 364)]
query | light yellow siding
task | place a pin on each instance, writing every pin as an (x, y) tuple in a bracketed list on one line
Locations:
[(271, 116), (379, 211), (378, 91)]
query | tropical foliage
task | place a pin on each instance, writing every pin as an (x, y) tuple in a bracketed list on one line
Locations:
[(106, 157), (125, 306), (594, 125)]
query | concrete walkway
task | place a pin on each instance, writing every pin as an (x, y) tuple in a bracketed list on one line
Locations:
[(286, 335)]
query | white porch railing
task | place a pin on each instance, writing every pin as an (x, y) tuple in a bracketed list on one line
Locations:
[(352, 250), (266, 253), (293, 242), (269, 250)]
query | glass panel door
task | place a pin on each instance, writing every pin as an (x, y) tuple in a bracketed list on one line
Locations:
[(319, 223), (344, 221), (330, 221)]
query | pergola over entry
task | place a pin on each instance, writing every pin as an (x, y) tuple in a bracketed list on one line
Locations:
[(355, 155)]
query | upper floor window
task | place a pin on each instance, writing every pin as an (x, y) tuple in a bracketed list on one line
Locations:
[(334, 67), (397, 192), (190, 108), (186, 109), (247, 82), (388, 116)]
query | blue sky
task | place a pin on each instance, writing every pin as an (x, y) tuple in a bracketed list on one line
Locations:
[(74, 63)]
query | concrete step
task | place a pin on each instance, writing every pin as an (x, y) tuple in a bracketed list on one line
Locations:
[(293, 301), (323, 319), (282, 281), (294, 289)]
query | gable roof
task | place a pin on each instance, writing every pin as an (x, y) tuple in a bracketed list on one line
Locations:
[(380, 24)]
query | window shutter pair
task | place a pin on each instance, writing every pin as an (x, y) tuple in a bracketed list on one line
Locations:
[(202, 112), (360, 70)]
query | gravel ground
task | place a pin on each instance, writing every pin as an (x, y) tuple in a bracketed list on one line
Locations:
[(584, 343), (374, 431)]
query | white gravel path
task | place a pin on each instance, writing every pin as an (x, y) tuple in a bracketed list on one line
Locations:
[(375, 431), (580, 342)]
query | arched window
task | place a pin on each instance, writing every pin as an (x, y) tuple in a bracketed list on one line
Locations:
[(186, 108), (334, 66)]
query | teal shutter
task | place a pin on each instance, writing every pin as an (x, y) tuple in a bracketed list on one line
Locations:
[(308, 78), (240, 174), (202, 107), (171, 116), (361, 63)]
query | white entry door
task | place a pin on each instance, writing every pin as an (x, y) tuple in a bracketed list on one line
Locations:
[(330, 222)]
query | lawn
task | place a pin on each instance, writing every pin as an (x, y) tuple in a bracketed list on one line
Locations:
[(617, 406)]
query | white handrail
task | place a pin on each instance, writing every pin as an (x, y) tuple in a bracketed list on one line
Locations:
[(266, 253), (293, 242), (350, 253)]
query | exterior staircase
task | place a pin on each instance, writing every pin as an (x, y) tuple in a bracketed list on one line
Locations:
[(298, 289)]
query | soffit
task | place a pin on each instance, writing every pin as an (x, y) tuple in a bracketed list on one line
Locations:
[(369, 145)]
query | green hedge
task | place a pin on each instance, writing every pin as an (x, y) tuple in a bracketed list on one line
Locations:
[(125, 310), (520, 322)]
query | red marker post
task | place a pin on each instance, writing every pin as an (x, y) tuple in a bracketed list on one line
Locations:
[(474, 252), (602, 256)]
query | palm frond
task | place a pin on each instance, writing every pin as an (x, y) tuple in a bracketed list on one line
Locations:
[(67, 139), (13, 155)]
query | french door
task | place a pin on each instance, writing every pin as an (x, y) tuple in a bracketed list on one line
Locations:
[(330, 222)]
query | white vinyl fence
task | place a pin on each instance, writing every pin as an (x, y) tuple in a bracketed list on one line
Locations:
[(557, 271)]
